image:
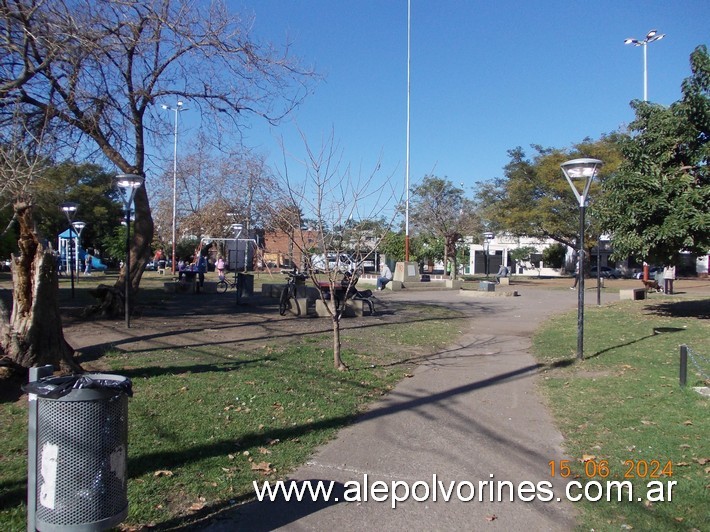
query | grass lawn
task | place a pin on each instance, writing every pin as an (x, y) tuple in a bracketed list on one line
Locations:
[(623, 413), (205, 422)]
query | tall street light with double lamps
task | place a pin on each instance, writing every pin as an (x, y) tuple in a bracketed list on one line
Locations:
[(651, 36), (582, 170), (69, 209), (177, 109), (127, 185), (78, 227)]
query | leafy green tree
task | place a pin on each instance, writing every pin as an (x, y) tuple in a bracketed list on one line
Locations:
[(554, 256), (657, 204), (534, 199), (438, 209), (86, 184)]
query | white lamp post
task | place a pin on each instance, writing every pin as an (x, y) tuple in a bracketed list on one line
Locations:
[(78, 227), (128, 184), (69, 209), (651, 36), (177, 109), (237, 228), (582, 170), (488, 236)]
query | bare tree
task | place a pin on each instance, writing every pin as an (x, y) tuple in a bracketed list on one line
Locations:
[(440, 209), (95, 70), (330, 195)]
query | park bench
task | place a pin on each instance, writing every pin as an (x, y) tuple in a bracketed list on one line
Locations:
[(364, 296)]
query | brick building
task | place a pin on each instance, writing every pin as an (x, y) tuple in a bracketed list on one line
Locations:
[(280, 252)]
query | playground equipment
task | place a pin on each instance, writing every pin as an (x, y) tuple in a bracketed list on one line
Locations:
[(75, 252)]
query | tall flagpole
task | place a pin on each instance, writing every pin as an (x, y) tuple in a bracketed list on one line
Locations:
[(406, 208)]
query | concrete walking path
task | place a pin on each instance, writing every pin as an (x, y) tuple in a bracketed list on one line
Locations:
[(470, 413)]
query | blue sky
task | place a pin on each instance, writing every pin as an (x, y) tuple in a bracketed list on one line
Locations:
[(485, 76)]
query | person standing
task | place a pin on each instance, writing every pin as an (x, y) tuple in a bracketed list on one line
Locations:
[(503, 271), (201, 269), (668, 278), (576, 276), (385, 276), (87, 264), (219, 266)]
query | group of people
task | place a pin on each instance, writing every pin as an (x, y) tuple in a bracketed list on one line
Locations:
[(200, 266)]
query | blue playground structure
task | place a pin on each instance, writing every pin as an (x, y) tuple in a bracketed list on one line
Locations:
[(77, 253)]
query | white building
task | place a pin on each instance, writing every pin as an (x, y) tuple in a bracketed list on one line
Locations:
[(489, 256)]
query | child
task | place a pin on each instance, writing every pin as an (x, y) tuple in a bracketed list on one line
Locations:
[(219, 265)]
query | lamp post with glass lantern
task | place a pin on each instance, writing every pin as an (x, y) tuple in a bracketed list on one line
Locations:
[(651, 36), (127, 185), (69, 209), (582, 170), (78, 227), (487, 236)]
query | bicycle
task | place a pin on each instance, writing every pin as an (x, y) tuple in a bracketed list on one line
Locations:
[(225, 284), (289, 293)]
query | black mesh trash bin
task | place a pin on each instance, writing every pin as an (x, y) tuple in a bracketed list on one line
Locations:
[(81, 450)]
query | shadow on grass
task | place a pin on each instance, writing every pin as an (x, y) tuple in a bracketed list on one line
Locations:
[(12, 494), (268, 515), (219, 367), (274, 328), (696, 308)]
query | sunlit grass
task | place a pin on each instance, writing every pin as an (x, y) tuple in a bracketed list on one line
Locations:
[(204, 423), (623, 404)]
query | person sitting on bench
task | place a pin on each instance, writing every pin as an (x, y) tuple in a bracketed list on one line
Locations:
[(503, 271), (385, 276)]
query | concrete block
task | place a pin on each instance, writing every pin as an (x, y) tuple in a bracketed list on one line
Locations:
[(210, 287), (456, 284), (505, 281), (486, 286), (406, 272), (394, 285), (633, 294), (353, 308), (300, 309)]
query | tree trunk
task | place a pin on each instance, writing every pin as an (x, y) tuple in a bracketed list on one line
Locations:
[(337, 361), (34, 336)]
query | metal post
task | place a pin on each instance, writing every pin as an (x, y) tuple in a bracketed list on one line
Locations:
[(580, 284), (237, 228), (70, 259), (683, 364), (599, 273), (127, 271), (645, 73), (35, 374)]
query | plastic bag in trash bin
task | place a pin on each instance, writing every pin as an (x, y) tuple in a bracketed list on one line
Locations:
[(55, 387)]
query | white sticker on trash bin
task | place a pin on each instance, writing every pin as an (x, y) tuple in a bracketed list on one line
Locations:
[(118, 463), (48, 470)]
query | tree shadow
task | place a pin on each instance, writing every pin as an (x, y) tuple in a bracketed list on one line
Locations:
[(695, 308), (262, 516)]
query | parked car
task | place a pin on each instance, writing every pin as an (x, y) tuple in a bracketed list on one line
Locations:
[(651, 272), (609, 273), (332, 262)]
